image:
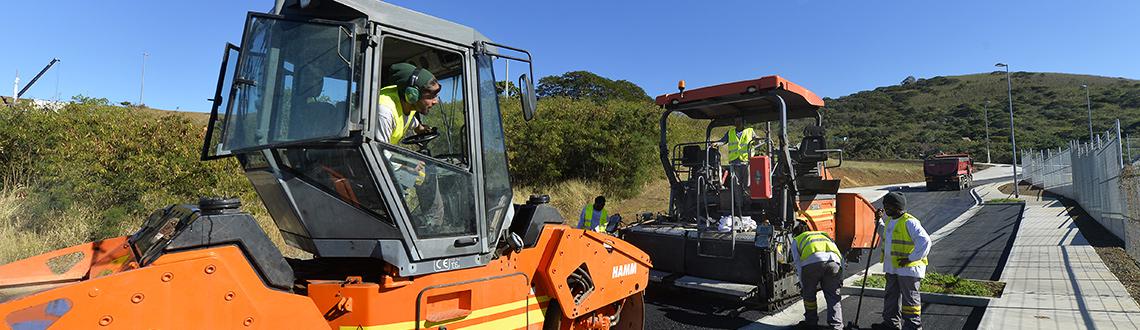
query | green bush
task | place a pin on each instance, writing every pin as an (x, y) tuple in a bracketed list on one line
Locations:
[(123, 162), (613, 143)]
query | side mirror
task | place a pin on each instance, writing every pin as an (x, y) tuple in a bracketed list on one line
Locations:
[(528, 98)]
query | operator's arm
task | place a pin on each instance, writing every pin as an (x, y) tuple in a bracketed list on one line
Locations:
[(582, 219), (384, 123), (921, 240), (418, 126), (794, 249)]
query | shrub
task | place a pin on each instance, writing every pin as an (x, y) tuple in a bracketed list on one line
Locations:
[(613, 143)]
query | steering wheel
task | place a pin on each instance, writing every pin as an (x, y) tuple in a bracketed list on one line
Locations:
[(421, 139)]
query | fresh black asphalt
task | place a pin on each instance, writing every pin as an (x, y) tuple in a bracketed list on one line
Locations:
[(668, 308)]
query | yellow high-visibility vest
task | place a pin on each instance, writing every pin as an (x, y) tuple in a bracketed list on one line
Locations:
[(390, 97), (592, 222), (902, 245), (812, 242), (740, 145)]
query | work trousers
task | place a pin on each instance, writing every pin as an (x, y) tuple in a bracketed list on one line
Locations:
[(826, 275), (738, 184), (904, 288)]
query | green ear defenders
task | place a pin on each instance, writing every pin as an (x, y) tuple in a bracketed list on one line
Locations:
[(411, 92)]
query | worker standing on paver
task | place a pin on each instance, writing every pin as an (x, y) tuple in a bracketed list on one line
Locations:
[(594, 216), (739, 141), (905, 245), (818, 261)]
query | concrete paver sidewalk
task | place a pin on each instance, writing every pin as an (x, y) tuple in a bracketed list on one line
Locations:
[(1055, 279)]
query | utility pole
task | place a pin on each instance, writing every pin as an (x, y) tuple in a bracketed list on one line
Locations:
[(986, 114), (142, 78), (1012, 134), (16, 88)]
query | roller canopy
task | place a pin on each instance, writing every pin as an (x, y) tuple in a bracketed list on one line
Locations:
[(748, 99)]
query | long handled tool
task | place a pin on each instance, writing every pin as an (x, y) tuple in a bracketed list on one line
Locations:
[(866, 272)]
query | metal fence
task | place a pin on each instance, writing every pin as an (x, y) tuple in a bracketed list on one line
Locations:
[(1094, 174), (1132, 150)]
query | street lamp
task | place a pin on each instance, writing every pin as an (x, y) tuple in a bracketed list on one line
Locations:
[(986, 114), (1012, 134), (1088, 102)]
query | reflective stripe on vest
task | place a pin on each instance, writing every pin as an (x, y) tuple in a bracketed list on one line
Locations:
[(739, 144), (592, 221), (902, 245), (812, 242), (390, 97)]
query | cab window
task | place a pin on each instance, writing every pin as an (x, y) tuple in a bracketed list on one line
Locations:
[(430, 166), (445, 112)]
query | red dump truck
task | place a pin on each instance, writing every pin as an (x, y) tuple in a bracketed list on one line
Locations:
[(948, 171)]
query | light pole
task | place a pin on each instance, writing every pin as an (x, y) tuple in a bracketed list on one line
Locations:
[(1012, 134), (142, 78), (1088, 102), (986, 114)]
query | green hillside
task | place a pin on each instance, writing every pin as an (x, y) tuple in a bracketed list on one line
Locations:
[(945, 114)]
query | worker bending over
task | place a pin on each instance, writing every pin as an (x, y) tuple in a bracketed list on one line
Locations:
[(905, 247), (817, 260)]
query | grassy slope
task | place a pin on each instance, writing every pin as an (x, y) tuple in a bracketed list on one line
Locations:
[(945, 113)]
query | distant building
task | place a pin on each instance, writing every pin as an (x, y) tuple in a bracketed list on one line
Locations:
[(42, 104)]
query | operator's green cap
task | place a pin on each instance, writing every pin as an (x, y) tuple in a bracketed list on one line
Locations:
[(400, 72)]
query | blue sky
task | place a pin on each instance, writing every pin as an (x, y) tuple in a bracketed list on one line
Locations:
[(831, 47)]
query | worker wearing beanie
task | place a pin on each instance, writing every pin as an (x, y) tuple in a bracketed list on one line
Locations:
[(905, 247), (410, 89)]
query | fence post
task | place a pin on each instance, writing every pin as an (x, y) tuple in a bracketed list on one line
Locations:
[(1128, 141), (1119, 144)]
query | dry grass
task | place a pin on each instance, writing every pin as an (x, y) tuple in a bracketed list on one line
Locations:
[(25, 235), (858, 173), (568, 197), (28, 229)]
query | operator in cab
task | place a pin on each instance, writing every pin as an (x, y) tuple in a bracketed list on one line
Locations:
[(412, 90), (415, 90)]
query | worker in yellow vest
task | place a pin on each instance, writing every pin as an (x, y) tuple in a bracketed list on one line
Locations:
[(594, 216), (740, 142), (905, 247), (411, 90), (818, 263)]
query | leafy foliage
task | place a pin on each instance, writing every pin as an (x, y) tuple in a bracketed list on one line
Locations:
[(122, 161), (586, 85), (613, 143)]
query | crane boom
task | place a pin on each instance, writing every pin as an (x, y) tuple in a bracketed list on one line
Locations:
[(37, 77)]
